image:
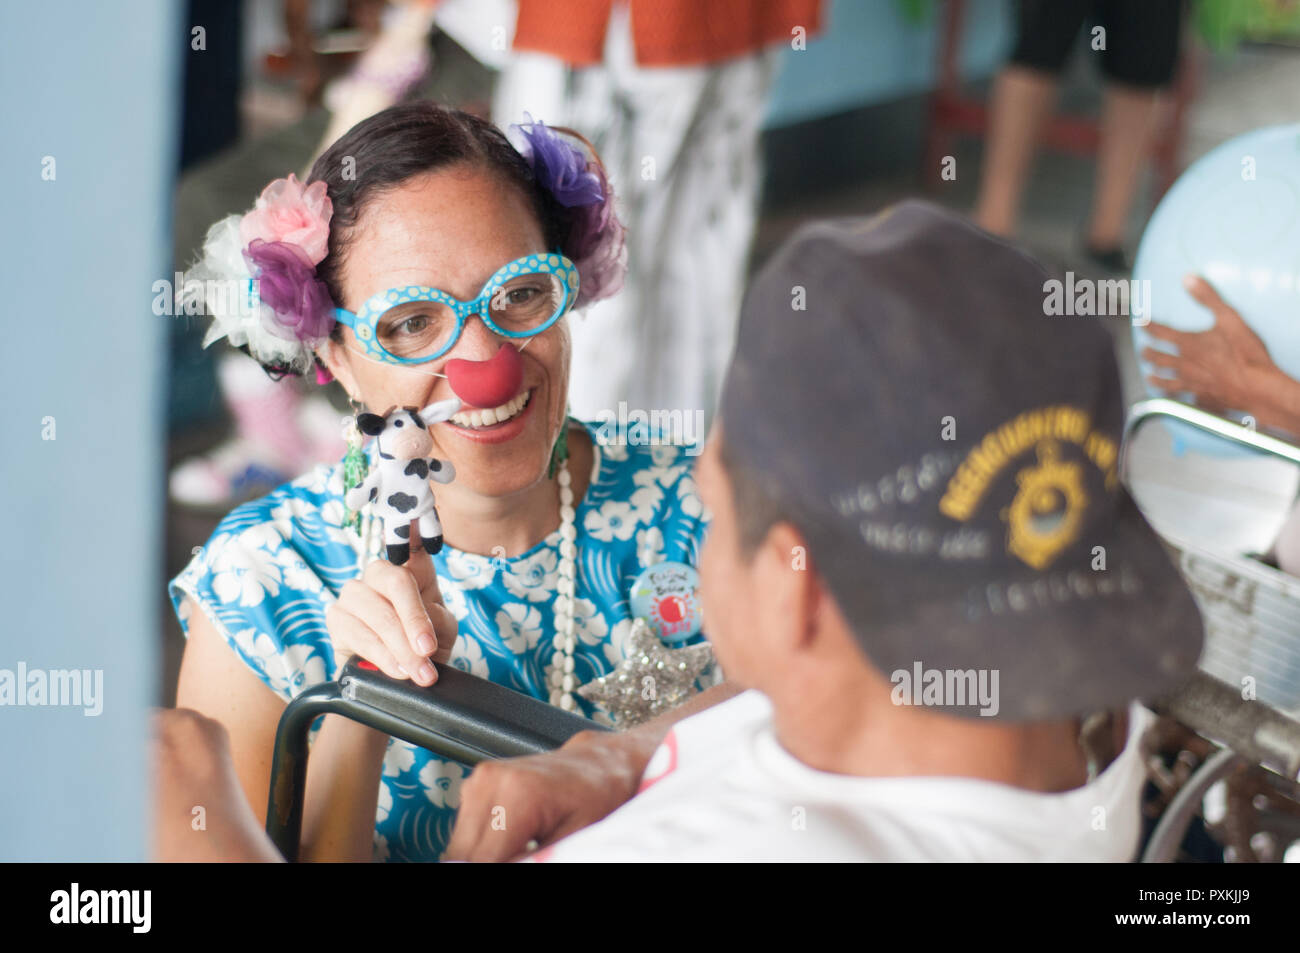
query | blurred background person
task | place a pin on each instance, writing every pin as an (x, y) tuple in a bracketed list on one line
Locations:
[(277, 429), (672, 93), (1137, 43), (280, 427), (1229, 366)]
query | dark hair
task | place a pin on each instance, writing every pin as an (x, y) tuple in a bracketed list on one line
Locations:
[(757, 508), (406, 140)]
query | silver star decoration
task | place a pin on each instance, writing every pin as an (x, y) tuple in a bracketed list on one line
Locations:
[(651, 679)]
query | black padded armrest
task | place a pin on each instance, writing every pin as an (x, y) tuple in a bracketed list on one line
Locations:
[(461, 717)]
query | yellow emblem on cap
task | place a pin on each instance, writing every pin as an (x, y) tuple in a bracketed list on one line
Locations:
[(1047, 511), (1046, 514)]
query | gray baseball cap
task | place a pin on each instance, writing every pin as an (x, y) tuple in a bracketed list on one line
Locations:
[(950, 452)]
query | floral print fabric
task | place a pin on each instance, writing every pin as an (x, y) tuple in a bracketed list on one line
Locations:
[(273, 566)]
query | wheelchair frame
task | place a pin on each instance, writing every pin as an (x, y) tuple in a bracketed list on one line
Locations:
[(1248, 731), (461, 717)]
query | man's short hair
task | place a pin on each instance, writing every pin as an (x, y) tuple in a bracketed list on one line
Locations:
[(757, 509)]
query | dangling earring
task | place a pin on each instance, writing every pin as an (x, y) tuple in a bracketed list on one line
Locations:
[(355, 465), (559, 452)]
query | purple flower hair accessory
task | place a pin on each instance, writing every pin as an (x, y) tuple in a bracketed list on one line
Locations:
[(595, 238), (597, 245), (300, 304), (560, 166)]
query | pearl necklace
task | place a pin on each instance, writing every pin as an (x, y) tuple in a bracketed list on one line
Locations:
[(560, 678)]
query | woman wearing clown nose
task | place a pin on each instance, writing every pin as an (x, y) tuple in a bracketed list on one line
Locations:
[(428, 262)]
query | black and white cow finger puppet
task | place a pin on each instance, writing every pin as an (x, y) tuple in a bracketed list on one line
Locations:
[(399, 483)]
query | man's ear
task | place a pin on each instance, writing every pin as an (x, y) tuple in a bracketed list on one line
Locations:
[(440, 410), (789, 575)]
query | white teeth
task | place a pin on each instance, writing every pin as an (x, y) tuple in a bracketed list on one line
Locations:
[(494, 415)]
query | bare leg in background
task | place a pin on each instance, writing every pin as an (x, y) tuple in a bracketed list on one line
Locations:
[(1128, 123), (1022, 101)]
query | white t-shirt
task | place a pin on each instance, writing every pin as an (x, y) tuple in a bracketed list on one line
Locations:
[(721, 788)]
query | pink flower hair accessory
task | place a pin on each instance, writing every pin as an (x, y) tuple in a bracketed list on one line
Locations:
[(287, 234), (289, 212), (273, 251)]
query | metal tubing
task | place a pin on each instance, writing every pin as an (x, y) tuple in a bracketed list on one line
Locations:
[(1162, 848), (1144, 410), (461, 717)]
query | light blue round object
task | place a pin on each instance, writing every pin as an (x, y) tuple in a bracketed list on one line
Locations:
[(1234, 219), (667, 596)]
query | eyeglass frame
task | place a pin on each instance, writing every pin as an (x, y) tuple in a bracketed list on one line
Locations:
[(365, 323)]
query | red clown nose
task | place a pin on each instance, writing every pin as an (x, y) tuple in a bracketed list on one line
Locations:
[(485, 384)]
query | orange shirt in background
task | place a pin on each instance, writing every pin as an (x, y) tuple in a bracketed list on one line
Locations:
[(664, 32)]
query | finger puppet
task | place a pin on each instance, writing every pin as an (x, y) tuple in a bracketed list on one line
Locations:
[(398, 484)]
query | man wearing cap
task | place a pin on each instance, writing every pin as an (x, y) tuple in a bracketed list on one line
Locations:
[(922, 566), (939, 603)]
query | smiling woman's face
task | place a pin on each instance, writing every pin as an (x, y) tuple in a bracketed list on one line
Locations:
[(452, 229)]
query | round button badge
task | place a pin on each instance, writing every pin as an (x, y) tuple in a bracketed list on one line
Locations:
[(667, 596)]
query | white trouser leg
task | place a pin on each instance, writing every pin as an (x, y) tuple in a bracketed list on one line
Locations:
[(680, 145)]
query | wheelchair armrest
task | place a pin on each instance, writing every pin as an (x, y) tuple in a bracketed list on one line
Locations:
[(1250, 733), (1259, 734), (1233, 432), (461, 717)]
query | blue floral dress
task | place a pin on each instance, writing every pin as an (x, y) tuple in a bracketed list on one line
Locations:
[(273, 566)]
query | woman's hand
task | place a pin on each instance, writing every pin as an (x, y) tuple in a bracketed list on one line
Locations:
[(1226, 367), (393, 617)]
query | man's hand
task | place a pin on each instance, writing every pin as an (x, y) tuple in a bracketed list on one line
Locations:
[(1226, 367), (199, 809), (505, 805), (511, 807)]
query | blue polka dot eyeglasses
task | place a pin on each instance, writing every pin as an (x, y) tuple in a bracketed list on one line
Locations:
[(415, 324)]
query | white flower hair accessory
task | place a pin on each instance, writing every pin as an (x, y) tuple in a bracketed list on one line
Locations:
[(280, 312)]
